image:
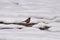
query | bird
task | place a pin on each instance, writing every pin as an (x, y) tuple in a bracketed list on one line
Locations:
[(27, 20), (26, 23)]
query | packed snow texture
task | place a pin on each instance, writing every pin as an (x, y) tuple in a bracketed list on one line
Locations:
[(42, 12)]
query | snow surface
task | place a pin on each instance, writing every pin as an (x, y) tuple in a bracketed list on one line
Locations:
[(42, 12), (28, 34)]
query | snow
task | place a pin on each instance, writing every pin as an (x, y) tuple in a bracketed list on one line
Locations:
[(11, 26), (28, 34), (55, 26), (39, 25), (42, 12)]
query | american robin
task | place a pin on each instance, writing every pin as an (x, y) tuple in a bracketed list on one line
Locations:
[(27, 20)]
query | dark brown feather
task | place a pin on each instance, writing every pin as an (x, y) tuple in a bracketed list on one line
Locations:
[(27, 20)]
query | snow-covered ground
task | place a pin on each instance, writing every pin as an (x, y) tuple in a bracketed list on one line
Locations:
[(28, 34), (42, 12)]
